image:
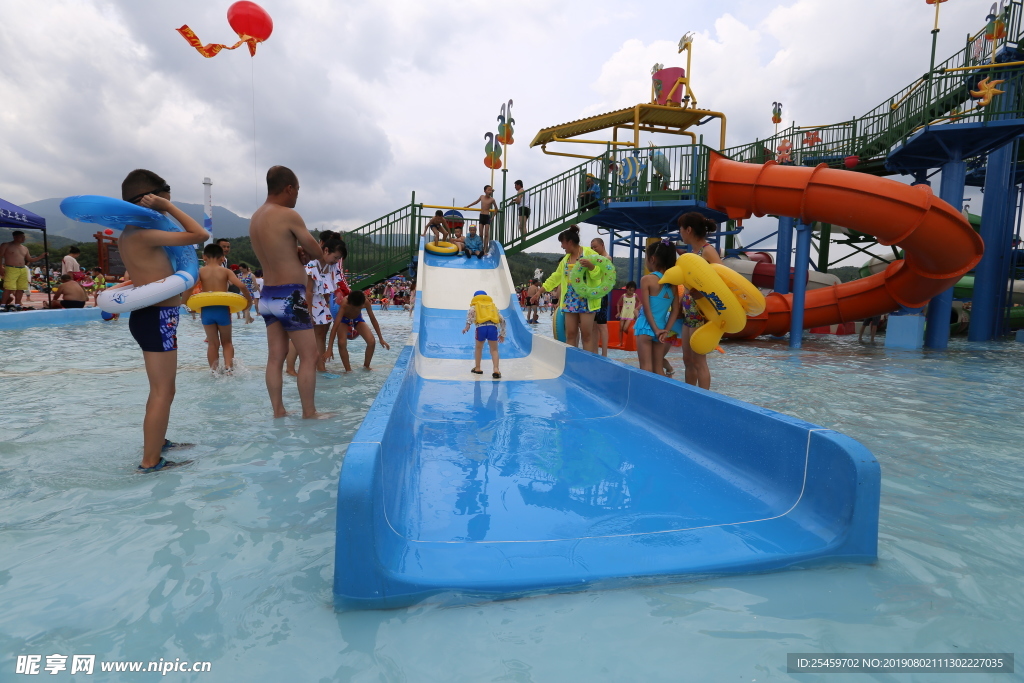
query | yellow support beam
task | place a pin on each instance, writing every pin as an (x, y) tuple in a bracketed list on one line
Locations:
[(454, 208), (592, 142)]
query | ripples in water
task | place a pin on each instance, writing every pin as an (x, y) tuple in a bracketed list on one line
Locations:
[(230, 559)]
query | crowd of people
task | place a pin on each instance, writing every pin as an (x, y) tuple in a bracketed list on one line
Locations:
[(659, 316), (301, 293), (396, 292), (307, 306)]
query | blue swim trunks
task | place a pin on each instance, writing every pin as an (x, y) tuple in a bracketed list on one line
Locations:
[(487, 333), (155, 328), (285, 304), (353, 325), (216, 315)]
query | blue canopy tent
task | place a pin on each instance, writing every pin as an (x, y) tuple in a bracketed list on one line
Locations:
[(13, 216)]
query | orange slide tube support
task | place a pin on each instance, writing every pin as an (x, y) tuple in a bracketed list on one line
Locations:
[(939, 243)]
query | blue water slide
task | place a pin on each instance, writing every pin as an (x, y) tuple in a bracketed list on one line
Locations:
[(573, 470)]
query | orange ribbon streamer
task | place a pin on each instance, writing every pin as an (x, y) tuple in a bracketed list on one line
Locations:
[(212, 49)]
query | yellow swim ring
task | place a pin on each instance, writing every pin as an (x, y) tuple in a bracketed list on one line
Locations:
[(695, 273), (747, 293), (719, 304), (442, 248), (235, 302)]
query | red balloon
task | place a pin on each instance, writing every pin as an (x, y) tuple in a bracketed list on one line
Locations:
[(108, 231), (851, 161), (249, 19)]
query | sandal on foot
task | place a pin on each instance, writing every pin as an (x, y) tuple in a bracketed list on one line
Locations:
[(164, 462), (477, 372), (496, 375)]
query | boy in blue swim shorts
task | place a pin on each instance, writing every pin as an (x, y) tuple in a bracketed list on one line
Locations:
[(350, 324), (217, 319), (490, 328), (155, 327)]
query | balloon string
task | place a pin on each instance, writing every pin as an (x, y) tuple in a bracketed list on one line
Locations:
[(255, 171)]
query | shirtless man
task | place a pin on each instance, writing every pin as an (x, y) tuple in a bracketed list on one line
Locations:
[(275, 228), (488, 205), (14, 260), (74, 294), (533, 302), (522, 200)]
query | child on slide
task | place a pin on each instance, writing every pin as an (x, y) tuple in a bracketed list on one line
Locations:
[(217, 319), (351, 325), (660, 309), (490, 328)]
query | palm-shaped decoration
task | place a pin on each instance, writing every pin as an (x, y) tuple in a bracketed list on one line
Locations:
[(504, 135), (492, 152)]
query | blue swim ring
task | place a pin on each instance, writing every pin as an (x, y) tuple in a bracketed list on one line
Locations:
[(558, 325), (118, 214)]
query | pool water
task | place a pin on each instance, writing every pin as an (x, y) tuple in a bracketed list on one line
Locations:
[(230, 559)]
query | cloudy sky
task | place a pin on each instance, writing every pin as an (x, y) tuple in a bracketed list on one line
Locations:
[(369, 101)]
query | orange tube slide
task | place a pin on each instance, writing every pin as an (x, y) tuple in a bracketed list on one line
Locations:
[(939, 243)]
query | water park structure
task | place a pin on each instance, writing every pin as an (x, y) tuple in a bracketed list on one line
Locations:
[(962, 117), (418, 511)]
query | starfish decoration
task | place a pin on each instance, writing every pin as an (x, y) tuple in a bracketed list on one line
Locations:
[(811, 139), (986, 91)]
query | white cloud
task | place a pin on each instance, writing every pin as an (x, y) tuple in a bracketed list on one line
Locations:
[(369, 101)]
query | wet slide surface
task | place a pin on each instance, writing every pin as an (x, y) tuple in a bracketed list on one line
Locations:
[(572, 470)]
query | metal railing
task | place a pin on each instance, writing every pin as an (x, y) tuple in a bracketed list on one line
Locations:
[(933, 99), (383, 247), (554, 204), (673, 173)]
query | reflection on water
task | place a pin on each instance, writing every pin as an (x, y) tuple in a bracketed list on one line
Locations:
[(231, 559)]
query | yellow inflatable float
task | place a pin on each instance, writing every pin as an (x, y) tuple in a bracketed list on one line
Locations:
[(728, 298), (442, 248), (235, 302)]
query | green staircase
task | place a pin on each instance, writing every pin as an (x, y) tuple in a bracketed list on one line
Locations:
[(942, 96), (388, 245)]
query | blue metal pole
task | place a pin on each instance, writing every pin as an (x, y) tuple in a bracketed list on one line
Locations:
[(1005, 248), (951, 190), (632, 255), (783, 254), (803, 254), (988, 275)]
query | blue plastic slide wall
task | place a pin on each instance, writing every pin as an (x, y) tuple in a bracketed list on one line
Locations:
[(573, 470)]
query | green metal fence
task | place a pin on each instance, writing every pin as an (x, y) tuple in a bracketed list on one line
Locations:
[(383, 247)]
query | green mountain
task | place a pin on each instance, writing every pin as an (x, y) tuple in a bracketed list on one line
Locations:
[(36, 237), (225, 223)]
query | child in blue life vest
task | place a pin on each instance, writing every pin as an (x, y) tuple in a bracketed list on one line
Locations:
[(490, 328)]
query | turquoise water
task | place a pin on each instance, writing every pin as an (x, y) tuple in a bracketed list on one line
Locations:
[(230, 559)]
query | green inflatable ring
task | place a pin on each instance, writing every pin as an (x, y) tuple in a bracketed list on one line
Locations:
[(596, 283)]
